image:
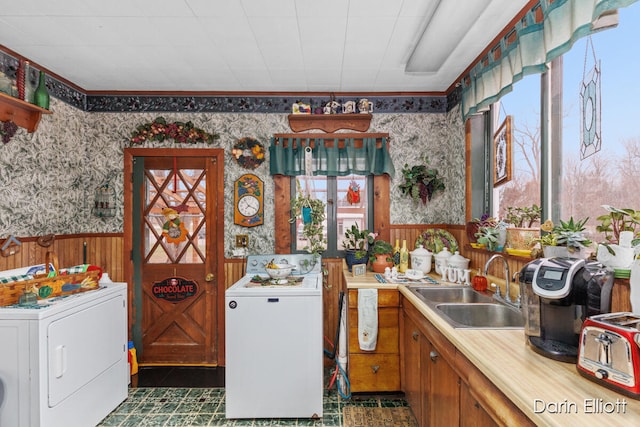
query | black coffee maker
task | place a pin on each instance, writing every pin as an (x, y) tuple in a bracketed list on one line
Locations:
[(558, 294)]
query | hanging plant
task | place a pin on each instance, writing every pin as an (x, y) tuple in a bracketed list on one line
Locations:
[(312, 212), (7, 130), (421, 182), (182, 133)]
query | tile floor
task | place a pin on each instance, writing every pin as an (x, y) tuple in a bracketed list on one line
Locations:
[(153, 401)]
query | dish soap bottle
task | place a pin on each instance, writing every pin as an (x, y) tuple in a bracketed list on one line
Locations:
[(396, 254), (404, 258)]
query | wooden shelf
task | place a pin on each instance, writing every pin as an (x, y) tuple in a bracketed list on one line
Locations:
[(329, 122), (21, 113)]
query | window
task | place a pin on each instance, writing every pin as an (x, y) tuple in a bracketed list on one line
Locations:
[(523, 105), (573, 186), (611, 175), (347, 202)]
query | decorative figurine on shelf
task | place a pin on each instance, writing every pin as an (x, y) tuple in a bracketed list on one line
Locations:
[(365, 106), (349, 107)]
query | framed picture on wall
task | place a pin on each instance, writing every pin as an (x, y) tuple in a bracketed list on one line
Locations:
[(502, 153)]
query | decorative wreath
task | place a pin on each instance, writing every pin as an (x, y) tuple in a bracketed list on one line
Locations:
[(248, 152), (182, 133)]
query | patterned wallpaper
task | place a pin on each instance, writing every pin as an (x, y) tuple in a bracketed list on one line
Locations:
[(48, 178)]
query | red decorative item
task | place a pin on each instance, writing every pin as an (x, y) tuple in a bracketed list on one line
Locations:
[(353, 193), (20, 79), (479, 282)]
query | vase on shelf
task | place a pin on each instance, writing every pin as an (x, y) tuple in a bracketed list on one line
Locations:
[(30, 83), (381, 262), (41, 95)]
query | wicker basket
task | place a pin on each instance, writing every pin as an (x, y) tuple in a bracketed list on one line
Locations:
[(49, 287)]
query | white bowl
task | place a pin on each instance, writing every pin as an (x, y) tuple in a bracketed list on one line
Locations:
[(281, 272)]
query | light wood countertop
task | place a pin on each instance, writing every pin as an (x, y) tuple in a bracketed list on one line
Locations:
[(550, 393)]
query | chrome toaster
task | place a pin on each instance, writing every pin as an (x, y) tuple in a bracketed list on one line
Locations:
[(609, 351)]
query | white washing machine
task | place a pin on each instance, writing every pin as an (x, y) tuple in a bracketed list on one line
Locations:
[(64, 364), (274, 344)]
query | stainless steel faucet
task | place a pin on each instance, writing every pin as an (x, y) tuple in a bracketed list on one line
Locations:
[(507, 278)]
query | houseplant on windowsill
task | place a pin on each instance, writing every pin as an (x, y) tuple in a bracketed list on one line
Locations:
[(356, 245), (488, 236), (566, 239), (621, 228), (421, 182), (475, 224), (521, 233), (381, 256)]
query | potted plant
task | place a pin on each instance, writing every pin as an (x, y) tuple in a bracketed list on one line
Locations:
[(488, 236), (475, 224), (312, 212), (381, 256), (621, 228), (566, 239), (617, 221), (421, 182), (356, 245), (521, 233)]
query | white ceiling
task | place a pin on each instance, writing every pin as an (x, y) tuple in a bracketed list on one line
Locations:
[(255, 45)]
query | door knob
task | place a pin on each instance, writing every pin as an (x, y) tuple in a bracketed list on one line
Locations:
[(210, 277)]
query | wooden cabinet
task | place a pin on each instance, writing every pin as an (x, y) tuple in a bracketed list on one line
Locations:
[(377, 370), (411, 340), (442, 387), (472, 414), (430, 383)]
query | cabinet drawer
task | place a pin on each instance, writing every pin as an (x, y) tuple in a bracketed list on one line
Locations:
[(374, 372), (386, 298), (387, 331)]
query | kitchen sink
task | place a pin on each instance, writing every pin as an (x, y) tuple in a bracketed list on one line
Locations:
[(481, 315), (464, 307), (457, 294)]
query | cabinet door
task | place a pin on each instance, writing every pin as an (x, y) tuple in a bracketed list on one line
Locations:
[(410, 365), (443, 389), (471, 413)]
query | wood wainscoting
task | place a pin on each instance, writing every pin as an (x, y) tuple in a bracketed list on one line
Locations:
[(104, 250)]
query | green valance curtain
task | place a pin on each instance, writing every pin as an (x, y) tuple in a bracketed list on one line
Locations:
[(330, 156), (547, 31)]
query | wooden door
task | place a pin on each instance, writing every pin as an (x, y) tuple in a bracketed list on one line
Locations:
[(177, 256)]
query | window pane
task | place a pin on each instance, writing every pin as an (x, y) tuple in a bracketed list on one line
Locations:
[(349, 196), (609, 176), (523, 104), (351, 206), (316, 187)]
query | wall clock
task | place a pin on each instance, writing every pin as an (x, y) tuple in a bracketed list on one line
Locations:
[(248, 195)]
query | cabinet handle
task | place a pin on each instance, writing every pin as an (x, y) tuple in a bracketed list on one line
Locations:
[(433, 356), (375, 368), (415, 335)]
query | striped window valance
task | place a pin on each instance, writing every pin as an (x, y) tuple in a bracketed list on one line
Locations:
[(544, 33), (337, 154)]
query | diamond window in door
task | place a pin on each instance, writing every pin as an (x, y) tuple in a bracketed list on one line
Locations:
[(174, 216)]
